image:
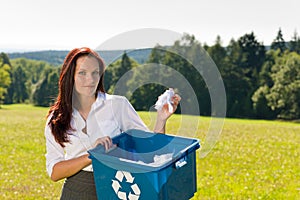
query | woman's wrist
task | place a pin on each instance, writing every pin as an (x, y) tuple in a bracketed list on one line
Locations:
[(87, 159), (160, 125)]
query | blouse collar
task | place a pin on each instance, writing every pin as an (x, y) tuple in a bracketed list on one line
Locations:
[(101, 96)]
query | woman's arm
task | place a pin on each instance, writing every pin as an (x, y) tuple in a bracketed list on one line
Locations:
[(164, 114), (127, 117), (67, 168)]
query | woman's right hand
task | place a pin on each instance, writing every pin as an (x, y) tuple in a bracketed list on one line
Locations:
[(106, 142)]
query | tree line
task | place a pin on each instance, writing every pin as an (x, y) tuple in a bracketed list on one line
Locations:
[(260, 82)]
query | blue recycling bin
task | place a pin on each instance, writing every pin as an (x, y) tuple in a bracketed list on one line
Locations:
[(146, 165)]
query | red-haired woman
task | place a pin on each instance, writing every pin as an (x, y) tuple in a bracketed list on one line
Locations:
[(83, 117)]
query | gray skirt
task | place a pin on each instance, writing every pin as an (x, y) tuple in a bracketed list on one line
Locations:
[(80, 186)]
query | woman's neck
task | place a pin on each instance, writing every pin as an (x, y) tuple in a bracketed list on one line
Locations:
[(83, 105)]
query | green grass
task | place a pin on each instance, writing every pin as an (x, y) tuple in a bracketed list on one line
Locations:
[(253, 159), (22, 169)]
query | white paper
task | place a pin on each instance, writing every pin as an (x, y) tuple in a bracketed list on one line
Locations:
[(165, 98)]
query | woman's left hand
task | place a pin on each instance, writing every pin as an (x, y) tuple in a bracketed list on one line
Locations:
[(164, 113)]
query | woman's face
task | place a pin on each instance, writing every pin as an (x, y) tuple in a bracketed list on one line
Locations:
[(87, 76)]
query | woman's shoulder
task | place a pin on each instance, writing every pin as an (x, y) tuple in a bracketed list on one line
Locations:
[(111, 99), (114, 97), (49, 116)]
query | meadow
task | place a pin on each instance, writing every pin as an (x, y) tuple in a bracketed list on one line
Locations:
[(252, 159)]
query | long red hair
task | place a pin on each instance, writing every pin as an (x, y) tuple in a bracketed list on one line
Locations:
[(61, 111)]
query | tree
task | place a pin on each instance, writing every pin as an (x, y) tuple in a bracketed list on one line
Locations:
[(34, 71), (243, 62), (260, 104), (4, 60), (46, 89), (20, 93), (236, 83), (294, 44), (278, 97), (252, 56), (218, 53), (5, 76), (40, 97), (52, 86), (147, 84), (278, 42), (284, 95), (157, 55), (108, 76), (145, 96), (266, 70), (124, 67), (118, 69), (5, 80), (189, 58)]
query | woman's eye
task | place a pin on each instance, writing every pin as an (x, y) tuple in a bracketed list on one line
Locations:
[(82, 73), (96, 73)]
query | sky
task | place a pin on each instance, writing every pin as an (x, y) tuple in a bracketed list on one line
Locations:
[(66, 24)]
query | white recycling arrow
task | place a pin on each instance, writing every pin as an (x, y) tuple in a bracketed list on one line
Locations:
[(122, 195), (133, 196), (119, 176), (116, 186), (129, 179), (135, 188)]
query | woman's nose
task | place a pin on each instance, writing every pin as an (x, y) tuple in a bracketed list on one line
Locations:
[(92, 77), (89, 77)]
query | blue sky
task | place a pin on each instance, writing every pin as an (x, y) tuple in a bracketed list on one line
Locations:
[(65, 24)]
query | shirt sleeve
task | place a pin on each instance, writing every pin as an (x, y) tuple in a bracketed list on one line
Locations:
[(129, 118), (54, 152)]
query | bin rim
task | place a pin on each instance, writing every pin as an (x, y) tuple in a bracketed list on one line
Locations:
[(99, 154)]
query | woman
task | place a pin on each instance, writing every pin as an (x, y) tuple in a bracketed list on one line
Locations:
[(83, 117)]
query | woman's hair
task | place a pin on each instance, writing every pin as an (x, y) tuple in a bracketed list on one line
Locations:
[(61, 111)]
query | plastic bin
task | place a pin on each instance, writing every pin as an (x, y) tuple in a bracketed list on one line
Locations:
[(145, 165)]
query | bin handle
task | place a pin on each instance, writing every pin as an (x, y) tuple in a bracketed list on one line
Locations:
[(180, 163)]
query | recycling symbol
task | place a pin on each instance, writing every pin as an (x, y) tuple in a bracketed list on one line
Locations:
[(116, 185)]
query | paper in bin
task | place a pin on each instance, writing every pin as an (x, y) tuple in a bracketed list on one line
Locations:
[(158, 160)]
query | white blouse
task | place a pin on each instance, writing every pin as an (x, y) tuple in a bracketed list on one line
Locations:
[(109, 116)]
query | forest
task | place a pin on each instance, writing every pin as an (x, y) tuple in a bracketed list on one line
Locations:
[(261, 82)]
